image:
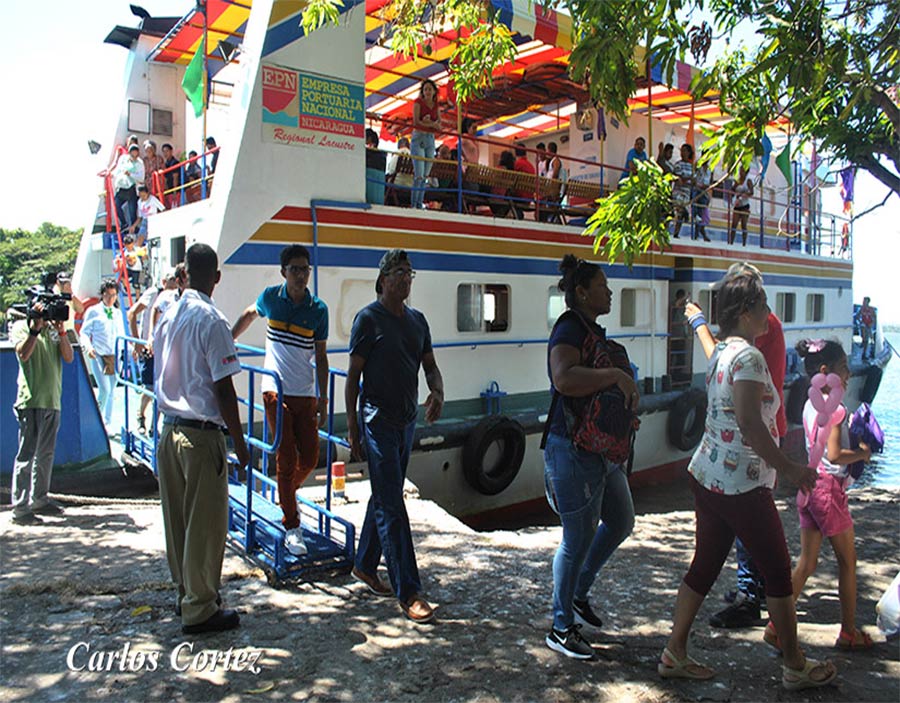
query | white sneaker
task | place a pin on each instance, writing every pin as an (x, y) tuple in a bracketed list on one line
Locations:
[(293, 541)]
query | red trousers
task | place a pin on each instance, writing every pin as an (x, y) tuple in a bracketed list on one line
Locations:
[(298, 453)]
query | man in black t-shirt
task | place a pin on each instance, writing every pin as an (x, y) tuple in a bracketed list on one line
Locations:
[(388, 343)]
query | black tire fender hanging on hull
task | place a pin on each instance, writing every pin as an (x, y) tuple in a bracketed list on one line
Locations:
[(491, 480), (687, 420)]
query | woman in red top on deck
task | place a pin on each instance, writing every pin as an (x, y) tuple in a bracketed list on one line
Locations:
[(426, 121)]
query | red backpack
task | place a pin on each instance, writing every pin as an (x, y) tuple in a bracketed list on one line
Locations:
[(600, 423)]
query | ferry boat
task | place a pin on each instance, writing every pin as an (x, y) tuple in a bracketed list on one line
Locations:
[(290, 112)]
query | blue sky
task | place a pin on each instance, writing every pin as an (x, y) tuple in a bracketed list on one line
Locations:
[(63, 86)]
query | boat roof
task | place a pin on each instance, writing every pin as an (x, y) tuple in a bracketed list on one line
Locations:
[(531, 95)]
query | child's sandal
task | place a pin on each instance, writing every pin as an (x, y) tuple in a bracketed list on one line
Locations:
[(858, 639)]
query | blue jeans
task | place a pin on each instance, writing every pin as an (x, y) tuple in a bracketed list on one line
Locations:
[(386, 526), (749, 580), (592, 498), (422, 144)]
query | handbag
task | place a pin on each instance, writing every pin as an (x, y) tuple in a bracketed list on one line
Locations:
[(109, 364), (600, 423)]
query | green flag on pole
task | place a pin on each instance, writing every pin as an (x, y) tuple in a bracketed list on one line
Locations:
[(192, 83), (783, 161)]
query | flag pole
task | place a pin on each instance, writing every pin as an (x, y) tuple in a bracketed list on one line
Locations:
[(204, 48)]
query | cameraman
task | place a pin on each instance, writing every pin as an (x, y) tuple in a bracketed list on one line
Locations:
[(41, 347)]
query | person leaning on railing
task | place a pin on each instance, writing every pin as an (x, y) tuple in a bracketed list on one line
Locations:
[(426, 119)]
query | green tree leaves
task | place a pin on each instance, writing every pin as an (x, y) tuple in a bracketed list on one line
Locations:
[(26, 256)]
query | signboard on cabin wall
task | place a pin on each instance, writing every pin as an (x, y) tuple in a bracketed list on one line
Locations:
[(304, 109)]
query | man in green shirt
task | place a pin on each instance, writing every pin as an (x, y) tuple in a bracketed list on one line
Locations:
[(41, 347)]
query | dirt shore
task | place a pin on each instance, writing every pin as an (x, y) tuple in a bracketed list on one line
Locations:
[(98, 576)]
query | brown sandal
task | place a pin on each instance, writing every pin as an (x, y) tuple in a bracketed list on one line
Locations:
[(858, 639)]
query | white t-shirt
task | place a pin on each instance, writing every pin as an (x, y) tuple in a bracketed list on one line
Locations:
[(193, 350), (148, 297), (723, 463), (148, 207)]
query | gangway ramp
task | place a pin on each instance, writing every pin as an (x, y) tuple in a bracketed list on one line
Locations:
[(254, 517)]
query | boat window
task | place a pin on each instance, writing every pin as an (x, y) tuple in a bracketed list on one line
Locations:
[(707, 303), (815, 307), (556, 305), (176, 250), (482, 307), (786, 306), (355, 295), (635, 307)]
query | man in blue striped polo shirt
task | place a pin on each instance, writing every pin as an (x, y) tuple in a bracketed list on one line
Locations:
[(296, 337)]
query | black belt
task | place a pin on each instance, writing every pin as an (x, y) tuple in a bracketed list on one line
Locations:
[(174, 421)]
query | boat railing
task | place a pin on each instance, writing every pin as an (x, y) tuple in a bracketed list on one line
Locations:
[(788, 221), (194, 180)]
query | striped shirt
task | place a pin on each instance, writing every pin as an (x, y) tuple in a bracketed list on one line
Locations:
[(291, 335)]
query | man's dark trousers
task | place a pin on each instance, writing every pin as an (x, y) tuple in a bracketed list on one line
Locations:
[(386, 526)]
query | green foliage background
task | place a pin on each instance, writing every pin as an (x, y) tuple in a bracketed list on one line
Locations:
[(25, 256)]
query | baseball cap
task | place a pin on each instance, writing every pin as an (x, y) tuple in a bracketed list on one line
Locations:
[(392, 258)]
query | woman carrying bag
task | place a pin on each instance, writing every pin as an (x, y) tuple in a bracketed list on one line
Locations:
[(587, 441)]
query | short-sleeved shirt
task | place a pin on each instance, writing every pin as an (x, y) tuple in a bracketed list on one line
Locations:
[(40, 378), (147, 299), (571, 332), (771, 344), (150, 206), (193, 349), (629, 157), (723, 463), (291, 335), (165, 300), (393, 347)]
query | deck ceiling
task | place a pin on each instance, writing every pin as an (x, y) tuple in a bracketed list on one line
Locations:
[(226, 21)]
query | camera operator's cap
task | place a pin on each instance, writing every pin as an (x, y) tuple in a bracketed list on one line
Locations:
[(392, 258), (742, 268)]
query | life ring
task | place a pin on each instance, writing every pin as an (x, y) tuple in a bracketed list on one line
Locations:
[(500, 471), (796, 400), (687, 419)]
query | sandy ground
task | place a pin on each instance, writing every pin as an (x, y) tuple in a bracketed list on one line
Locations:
[(97, 576)]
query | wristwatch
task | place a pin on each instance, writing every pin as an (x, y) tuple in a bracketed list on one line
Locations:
[(33, 332)]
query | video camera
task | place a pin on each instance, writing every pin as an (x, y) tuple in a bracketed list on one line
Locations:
[(55, 305)]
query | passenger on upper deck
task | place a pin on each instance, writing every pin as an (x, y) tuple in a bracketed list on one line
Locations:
[(740, 212), (664, 157), (147, 205), (523, 165), (426, 120), (211, 165), (375, 165), (173, 178), (129, 174), (541, 159), (554, 164), (683, 187), (470, 149), (635, 154), (404, 180), (152, 162)]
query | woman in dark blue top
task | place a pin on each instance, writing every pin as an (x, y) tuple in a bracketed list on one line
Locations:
[(591, 426)]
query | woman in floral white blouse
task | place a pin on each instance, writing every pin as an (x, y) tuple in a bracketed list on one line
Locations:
[(732, 475)]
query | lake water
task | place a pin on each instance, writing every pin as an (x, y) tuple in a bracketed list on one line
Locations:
[(884, 471)]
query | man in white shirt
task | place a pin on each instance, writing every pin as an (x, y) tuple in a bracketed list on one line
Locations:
[(195, 360), (129, 174), (168, 297), (102, 324)]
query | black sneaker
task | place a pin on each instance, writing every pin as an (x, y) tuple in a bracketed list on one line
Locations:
[(51, 507), (28, 518), (744, 613), (584, 615), (570, 643)]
